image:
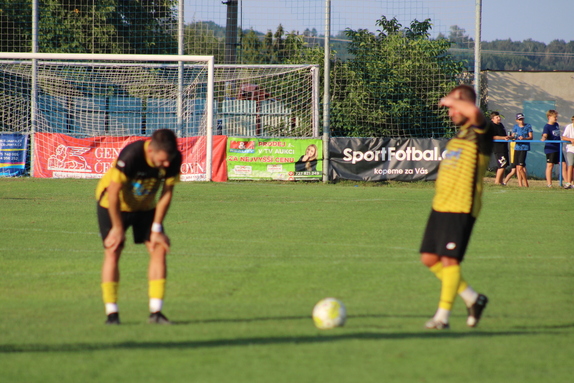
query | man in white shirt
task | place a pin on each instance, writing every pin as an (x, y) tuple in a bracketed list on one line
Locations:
[(568, 135)]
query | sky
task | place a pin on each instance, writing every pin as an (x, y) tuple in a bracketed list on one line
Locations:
[(520, 20), (517, 20)]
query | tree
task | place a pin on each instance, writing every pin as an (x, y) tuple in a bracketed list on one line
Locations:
[(251, 48), (459, 38), (15, 26), (205, 38), (87, 26), (393, 83), (276, 48)]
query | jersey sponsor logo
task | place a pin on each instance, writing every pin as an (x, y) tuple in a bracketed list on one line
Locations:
[(142, 188), (452, 155)]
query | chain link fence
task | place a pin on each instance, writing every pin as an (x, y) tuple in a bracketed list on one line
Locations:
[(390, 59)]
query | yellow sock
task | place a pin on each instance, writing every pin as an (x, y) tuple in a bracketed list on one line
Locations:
[(462, 285), (437, 268), (450, 282), (157, 288), (110, 292)]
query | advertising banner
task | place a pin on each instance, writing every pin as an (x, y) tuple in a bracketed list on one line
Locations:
[(61, 156), (281, 159), (12, 154), (383, 159)]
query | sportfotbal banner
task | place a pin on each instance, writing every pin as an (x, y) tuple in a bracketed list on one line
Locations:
[(13, 154), (383, 159), (61, 156), (280, 159)]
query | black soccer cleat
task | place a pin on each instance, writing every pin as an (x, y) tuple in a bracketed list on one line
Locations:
[(113, 318), (475, 311), (158, 318)]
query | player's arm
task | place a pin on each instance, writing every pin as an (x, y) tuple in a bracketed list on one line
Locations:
[(116, 236), (466, 108), (565, 138), (529, 137), (158, 237), (163, 204)]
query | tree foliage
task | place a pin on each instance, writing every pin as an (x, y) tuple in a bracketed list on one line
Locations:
[(527, 55), (15, 26), (86, 26), (276, 48), (205, 38), (392, 85)]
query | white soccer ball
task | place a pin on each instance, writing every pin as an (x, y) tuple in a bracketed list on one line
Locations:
[(329, 313)]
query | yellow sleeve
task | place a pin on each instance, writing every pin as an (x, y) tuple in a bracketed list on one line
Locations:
[(172, 180), (117, 176)]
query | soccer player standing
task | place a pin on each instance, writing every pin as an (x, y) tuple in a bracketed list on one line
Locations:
[(456, 205), (126, 197)]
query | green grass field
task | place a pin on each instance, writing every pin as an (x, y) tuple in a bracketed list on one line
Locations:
[(249, 261)]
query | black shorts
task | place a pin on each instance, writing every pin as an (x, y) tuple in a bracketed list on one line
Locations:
[(447, 234), (141, 222), (552, 158), (501, 160), (520, 157)]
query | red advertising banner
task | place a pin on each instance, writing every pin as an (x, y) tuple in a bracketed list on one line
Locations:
[(61, 156)]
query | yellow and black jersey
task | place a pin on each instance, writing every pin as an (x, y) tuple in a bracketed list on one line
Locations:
[(459, 181), (140, 180)]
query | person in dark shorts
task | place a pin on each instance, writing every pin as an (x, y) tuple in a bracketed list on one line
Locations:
[(551, 132), (456, 205), (500, 149), (521, 133), (126, 197)]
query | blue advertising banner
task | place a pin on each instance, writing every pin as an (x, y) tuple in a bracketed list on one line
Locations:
[(383, 159), (12, 154)]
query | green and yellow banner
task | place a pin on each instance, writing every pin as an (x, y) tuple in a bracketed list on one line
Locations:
[(279, 159)]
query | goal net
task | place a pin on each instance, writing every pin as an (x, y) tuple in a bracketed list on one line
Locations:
[(80, 110)]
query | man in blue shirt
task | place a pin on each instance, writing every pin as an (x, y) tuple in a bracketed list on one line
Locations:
[(521, 132), (551, 132)]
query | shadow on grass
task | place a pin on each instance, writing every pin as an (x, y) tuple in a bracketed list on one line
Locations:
[(301, 317), (548, 327), (241, 342)]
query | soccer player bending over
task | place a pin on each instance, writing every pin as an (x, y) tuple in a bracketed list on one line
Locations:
[(456, 205), (127, 197)]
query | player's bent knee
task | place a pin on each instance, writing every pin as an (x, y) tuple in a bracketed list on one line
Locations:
[(429, 259)]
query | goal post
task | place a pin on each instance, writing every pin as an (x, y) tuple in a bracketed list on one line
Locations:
[(106, 95), (99, 98)]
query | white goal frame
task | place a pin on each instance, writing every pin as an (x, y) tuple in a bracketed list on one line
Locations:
[(181, 59)]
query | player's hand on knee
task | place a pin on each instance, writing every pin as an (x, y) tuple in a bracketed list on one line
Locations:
[(160, 239), (114, 239)]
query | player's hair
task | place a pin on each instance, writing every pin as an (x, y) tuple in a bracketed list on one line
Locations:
[(164, 140), (551, 112), (494, 113), (466, 92)]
